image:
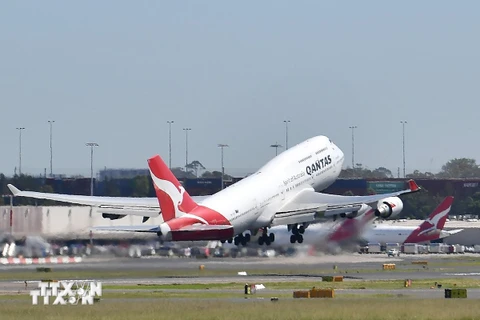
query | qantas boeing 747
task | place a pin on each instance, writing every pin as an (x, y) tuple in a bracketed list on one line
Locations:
[(282, 192)]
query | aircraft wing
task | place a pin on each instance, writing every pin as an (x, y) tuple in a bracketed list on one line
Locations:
[(310, 206), (147, 207)]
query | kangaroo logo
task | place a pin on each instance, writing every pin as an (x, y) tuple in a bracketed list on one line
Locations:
[(176, 195), (431, 223), (174, 201)]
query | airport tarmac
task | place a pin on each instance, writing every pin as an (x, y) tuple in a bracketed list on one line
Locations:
[(267, 270), (366, 266), (349, 265), (364, 262)]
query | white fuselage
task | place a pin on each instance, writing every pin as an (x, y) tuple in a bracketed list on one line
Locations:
[(387, 234), (318, 234), (252, 202)]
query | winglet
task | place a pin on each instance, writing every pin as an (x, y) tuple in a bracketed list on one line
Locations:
[(14, 189), (413, 185)]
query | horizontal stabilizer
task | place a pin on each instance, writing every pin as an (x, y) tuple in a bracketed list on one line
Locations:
[(452, 232), (139, 228), (134, 211)]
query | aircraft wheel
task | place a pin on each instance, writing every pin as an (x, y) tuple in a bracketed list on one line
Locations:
[(293, 238), (244, 242), (230, 240), (267, 242), (271, 237), (247, 237), (260, 241), (222, 241), (300, 238), (301, 229), (236, 241)]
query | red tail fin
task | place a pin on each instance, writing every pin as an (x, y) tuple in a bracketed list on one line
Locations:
[(174, 201), (439, 216), (430, 228)]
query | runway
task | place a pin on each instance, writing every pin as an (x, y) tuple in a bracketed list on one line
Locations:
[(353, 267), (349, 265)]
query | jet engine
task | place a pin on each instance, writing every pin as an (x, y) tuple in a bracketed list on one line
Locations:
[(389, 207), (112, 216)]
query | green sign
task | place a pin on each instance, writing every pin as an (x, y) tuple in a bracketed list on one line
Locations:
[(386, 186)]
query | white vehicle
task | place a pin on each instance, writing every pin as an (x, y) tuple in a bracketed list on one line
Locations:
[(393, 253), (392, 246), (282, 192)]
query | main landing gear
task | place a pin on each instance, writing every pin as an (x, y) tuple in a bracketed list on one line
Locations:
[(266, 238), (241, 239), (297, 233)]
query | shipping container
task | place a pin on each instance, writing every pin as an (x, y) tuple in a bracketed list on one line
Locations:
[(435, 247), (422, 249), (410, 248), (459, 248), (374, 248)]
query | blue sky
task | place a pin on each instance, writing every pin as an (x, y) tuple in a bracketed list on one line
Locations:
[(115, 71)]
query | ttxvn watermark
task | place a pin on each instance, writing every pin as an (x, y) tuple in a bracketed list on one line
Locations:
[(67, 292)]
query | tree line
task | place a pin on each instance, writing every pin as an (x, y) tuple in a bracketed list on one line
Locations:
[(459, 168), (417, 205)]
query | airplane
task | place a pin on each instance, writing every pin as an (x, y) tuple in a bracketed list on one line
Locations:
[(361, 229), (282, 192), (431, 229)]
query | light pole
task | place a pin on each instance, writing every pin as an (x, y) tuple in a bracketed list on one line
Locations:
[(51, 148), (170, 144), (403, 134), (20, 150), (276, 146), (186, 147), (286, 133), (353, 146), (223, 168), (91, 145)]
